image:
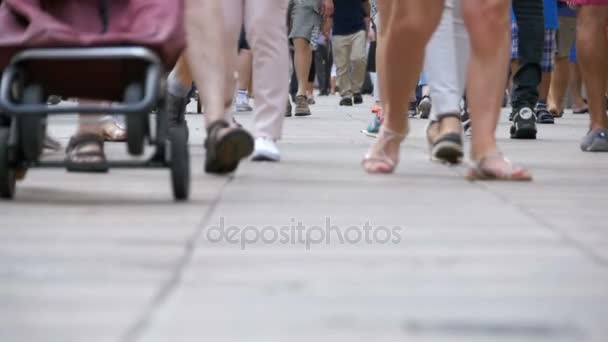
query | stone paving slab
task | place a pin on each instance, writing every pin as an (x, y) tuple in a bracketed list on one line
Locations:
[(113, 258)]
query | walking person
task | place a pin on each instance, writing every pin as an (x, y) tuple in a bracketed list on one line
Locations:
[(487, 22)]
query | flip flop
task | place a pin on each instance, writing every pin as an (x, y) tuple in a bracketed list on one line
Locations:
[(480, 170)]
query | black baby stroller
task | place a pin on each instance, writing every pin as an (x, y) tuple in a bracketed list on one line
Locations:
[(110, 50)]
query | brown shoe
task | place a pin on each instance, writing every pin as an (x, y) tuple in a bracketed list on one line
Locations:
[(302, 107)]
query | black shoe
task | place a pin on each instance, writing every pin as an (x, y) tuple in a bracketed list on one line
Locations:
[(524, 124), (346, 101), (543, 115), (358, 99)]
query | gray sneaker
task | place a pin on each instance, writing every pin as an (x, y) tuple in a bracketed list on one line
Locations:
[(302, 107), (595, 141)]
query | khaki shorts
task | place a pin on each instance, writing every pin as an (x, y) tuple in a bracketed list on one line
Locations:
[(305, 20), (566, 35)]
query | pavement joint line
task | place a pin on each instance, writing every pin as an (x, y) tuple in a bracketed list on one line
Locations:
[(135, 331), (567, 238)]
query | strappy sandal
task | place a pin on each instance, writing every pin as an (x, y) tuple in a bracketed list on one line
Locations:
[(226, 146), (480, 170), (447, 147), (75, 154), (377, 153)]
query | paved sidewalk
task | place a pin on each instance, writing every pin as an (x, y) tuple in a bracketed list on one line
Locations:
[(113, 258)]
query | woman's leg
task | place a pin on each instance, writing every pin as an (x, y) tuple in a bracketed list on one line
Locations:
[(398, 72), (592, 50), (446, 60), (488, 25)]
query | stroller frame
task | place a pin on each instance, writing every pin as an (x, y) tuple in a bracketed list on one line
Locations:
[(23, 112)]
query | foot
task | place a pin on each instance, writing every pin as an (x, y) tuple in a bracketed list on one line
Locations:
[(412, 109), (346, 101), (543, 116), (243, 107), (311, 101), (358, 98), (445, 139), (383, 155), (424, 107), (524, 124), (595, 141), (302, 107), (226, 146), (496, 167), (85, 154), (113, 131), (376, 107), (266, 150), (373, 128)]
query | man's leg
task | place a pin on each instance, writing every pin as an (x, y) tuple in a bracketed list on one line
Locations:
[(342, 46), (245, 61), (226, 145), (544, 116), (264, 20), (358, 62), (398, 72), (531, 32), (561, 72)]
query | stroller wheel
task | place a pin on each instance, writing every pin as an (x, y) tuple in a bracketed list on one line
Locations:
[(136, 122), (180, 162), (32, 128), (7, 172)]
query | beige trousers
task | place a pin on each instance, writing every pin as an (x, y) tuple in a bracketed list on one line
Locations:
[(266, 29), (351, 62)]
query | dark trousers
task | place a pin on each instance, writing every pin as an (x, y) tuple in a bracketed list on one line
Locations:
[(323, 63), (531, 24)]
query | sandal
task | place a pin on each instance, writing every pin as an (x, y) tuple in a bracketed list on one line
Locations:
[(378, 154), (80, 154), (481, 170), (226, 146), (447, 147)]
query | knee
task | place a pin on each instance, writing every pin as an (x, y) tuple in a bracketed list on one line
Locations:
[(491, 16)]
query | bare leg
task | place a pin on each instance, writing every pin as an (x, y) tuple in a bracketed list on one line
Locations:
[(559, 86), (203, 21), (576, 87), (244, 65), (303, 59), (592, 49), (543, 88), (398, 73), (488, 25)]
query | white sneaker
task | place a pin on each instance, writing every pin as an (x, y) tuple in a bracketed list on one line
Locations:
[(242, 103), (266, 150)]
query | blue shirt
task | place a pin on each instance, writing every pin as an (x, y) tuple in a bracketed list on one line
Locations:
[(349, 17), (549, 12), (563, 10)]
